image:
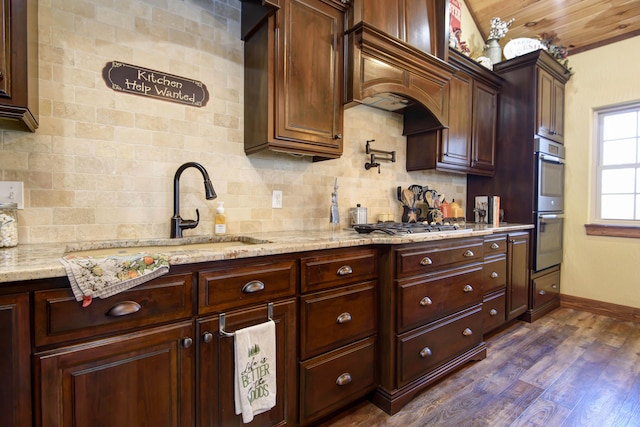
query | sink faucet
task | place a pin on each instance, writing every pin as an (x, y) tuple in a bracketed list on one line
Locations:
[(178, 224)]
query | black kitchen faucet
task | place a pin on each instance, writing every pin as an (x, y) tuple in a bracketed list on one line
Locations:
[(177, 223)]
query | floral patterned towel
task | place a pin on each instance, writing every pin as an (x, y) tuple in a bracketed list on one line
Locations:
[(103, 277)]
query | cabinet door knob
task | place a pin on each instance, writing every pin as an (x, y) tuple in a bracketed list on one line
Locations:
[(426, 301), (124, 308), (467, 288), (337, 136), (494, 245), (187, 342), (253, 286), (468, 253), (207, 337), (343, 318), (554, 286), (344, 379), (494, 275), (542, 292), (345, 270), (493, 312), (425, 352), (467, 332), (426, 261)]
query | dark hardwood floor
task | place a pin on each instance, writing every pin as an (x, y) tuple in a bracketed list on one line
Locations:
[(569, 368)]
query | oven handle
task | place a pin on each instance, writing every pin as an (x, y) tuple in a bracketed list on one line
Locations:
[(550, 216), (552, 159)]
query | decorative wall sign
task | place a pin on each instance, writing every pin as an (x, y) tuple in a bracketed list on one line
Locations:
[(129, 78)]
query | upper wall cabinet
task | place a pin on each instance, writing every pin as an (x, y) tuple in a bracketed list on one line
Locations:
[(550, 109), (294, 77), (19, 65), (468, 144)]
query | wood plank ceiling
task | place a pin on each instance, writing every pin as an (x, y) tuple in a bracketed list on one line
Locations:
[(579, 24)]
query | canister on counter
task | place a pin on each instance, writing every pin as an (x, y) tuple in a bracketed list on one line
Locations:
[(358, 215), (8, 225)]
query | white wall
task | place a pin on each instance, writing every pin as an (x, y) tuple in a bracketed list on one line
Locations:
[(600, 268)]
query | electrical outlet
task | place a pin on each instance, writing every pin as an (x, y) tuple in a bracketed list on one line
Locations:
[(276, 199), (12, 192)]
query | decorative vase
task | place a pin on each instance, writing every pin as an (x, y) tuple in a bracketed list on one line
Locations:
[(493, 51)]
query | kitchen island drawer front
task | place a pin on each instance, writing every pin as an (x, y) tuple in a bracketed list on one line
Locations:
[(424, 300), (339, 268), (495, 245), (425, 348), (494, 274), (59, 317), (494, 310), (234, 285), (546, 288), (425, 259), (334, 318), (335, 379)]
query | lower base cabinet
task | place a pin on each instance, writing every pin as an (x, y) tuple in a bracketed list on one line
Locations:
[(545, 294)]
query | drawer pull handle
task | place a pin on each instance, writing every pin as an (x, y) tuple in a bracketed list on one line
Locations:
[(542, 292), (554, 286), (345, 270), (343, 318), (467, 332), (493, 312), (253, 286), (494, 275), (494, 245), (426, 261), (344, 379), (467, 288), (124, 308), (468, 253), (207, 337), (426, 301), (186, 342), (425, 352)]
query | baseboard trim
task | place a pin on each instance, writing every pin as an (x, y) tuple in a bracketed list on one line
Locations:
[(622, 312)]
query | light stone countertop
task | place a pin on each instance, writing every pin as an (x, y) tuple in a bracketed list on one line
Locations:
[(42, 261)]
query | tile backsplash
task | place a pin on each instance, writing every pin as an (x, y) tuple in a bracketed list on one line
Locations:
[(101, 164)]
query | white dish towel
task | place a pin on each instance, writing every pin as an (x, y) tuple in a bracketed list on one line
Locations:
[(255, 370)]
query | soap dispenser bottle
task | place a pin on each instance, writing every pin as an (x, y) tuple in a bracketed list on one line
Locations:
[(220, 226)]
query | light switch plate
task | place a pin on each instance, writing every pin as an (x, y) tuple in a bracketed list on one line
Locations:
[(276, 199), (12, 192)]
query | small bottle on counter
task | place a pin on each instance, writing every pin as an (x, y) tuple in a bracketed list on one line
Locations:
[(220, 222), (8, 225)]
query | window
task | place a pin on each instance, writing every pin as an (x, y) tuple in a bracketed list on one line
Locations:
[(618, 166)]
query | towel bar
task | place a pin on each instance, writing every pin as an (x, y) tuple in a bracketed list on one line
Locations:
[(222, 321)]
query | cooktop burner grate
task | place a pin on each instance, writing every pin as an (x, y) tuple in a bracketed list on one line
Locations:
[(402, 228)]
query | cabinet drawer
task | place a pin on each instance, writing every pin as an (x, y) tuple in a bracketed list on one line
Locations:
[(336, 269), (235, 285), (546, 288), (495, 245), (421, 350), (333, 318), (335, 379), (494, 274), (59, 317), (425, 259), (493, 310), (421, 301)]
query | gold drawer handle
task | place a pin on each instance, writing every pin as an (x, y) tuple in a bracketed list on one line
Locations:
[(124, 308), (494, 245), (467, 288), (253, 286), (467, 332), (426, 261), (344, 379), (494, 275), (343, 318), (345, 270), (425, 352), (426, 301), (468, 253), (493, 312), (542, 292)]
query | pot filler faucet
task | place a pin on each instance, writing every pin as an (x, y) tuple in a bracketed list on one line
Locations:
[(178, 224)]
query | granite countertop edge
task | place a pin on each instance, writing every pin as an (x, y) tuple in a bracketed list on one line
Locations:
[(42, 261)]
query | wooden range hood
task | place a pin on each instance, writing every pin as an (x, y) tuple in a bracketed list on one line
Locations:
[(396, 53)]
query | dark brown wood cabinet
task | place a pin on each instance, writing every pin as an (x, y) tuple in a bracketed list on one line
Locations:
[(467, 145), (294, 78), (550, 107), (518, 274), (19, 65), (15, 356)]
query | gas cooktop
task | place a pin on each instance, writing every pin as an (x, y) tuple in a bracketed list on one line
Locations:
[(393, 228)]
